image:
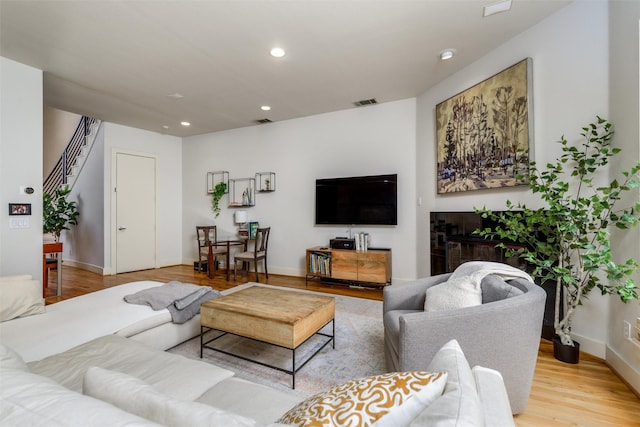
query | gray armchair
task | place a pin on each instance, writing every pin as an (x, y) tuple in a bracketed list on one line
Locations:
[(503, 335)]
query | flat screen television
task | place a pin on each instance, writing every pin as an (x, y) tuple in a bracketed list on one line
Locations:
[(359, 200)]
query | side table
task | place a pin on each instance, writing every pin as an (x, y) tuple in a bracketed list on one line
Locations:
[(49, 248)]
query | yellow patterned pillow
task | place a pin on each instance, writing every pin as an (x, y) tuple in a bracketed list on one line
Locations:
[(392, 399)]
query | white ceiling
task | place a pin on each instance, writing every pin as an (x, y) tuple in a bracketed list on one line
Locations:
[(118, 60)]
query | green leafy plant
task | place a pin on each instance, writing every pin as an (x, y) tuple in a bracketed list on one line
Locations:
[(219, 190), (568, 241), (58, 212)]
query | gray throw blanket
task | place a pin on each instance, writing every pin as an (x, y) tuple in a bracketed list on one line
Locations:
[(183, 300)]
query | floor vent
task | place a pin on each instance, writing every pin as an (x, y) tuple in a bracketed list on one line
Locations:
[(365, 102), (261, 121)]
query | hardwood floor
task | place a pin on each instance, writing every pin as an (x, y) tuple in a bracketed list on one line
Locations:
[(77, 282), (586, 394)]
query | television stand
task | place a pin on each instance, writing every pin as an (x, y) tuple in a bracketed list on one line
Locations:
[(348, 267)]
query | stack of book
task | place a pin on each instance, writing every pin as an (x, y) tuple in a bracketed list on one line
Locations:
[(320, 263), (362, 241)]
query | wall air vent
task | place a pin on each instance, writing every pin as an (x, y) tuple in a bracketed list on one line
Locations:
[(262, 121), (365, 102)]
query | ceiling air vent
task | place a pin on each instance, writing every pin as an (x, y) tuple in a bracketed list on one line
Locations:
[(365, 102), (261, 121)]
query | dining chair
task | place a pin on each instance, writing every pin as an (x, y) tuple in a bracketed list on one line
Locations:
[(259, 252), (207, 235)]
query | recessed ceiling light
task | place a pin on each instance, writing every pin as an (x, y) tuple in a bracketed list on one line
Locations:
[(447, 54), (175, 95), (277, 52), (165, 127), (265, 108), (493, 8), (185, 123)]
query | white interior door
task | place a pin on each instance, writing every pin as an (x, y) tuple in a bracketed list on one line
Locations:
[(135, 212)]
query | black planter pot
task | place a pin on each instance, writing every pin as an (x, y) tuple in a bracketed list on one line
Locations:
[(566, 353)]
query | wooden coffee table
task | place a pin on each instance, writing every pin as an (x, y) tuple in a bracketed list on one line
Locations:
[(283, 318)]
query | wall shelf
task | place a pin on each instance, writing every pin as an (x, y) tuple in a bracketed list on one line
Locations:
[(214, 178), (266, 182), (242, 192)]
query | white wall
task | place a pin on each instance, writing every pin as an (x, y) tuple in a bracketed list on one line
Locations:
[(84, 242), (168, 150), (20, 164), (58, 128), (623, 355), (370, 140), (570, 86)]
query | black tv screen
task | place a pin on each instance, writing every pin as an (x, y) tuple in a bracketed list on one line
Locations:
[(360, 200)]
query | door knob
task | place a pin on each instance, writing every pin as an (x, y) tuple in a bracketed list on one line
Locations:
[(122, 228)]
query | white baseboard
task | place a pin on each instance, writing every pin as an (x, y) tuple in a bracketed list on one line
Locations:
[(84, 266), (170, 263), (285, 271), (591, 346), (630, 375)]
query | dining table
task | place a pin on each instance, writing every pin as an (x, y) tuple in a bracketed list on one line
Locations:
[(227, 242)]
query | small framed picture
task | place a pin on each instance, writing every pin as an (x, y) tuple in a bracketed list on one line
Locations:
[(252, 228), (19, 208)]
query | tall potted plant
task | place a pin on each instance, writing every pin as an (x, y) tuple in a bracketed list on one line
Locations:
[(568, 241), (58, 212)]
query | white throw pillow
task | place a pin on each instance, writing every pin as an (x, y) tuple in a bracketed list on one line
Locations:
[(387, 400), (459, 405), (452, 294), (20, 297), (137, 397)]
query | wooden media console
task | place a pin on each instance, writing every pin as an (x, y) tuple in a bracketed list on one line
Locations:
[(372, 266)]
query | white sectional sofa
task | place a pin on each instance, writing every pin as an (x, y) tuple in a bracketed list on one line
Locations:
[(71, 322), (89, 365)]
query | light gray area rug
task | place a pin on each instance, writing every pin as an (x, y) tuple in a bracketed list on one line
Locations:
[(359, 351)]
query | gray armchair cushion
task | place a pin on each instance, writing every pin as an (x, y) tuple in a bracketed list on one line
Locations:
[(495, 288)]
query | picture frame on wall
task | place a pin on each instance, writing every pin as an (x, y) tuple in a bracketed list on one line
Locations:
[(484, 133), (19, 208)]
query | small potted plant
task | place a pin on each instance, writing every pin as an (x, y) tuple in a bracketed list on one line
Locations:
[(568, 241), (58, 212), (218, 191)]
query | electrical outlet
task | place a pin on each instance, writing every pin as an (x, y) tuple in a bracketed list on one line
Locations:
[(627, 330)]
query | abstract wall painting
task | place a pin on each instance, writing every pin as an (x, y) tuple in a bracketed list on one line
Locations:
[(484, 133)]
